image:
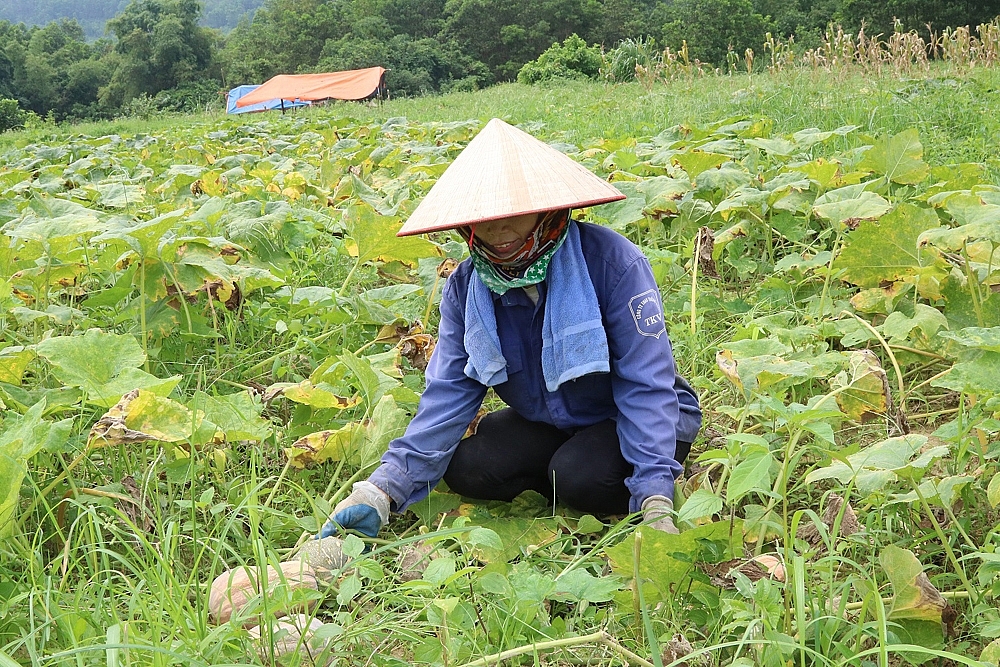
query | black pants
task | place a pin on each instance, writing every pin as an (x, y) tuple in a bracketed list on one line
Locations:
[(510, 454)]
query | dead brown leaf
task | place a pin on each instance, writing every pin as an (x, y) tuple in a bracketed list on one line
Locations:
[(111, 429), (848, 524), (392, 333), (679, 647), (474, 426), (447, 267), (139, 511), (705, 245), (765, 566), (312, 443), (417, 349)]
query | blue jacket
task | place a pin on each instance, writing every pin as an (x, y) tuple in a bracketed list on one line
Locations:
[(653, 406)]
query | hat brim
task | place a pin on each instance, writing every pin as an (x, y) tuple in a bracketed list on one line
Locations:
[(449, 225), (505, 172)]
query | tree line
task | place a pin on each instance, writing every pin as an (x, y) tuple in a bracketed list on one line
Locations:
[(93, 15), (158, 54)]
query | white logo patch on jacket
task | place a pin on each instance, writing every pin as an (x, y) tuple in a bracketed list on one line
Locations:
[(647, 313)]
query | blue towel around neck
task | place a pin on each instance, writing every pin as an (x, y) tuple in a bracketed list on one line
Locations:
[(574, 342)]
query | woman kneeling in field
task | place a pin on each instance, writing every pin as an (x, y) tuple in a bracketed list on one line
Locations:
[(564, 320)]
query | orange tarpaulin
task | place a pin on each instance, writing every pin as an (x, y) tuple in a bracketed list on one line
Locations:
[(355, 84)]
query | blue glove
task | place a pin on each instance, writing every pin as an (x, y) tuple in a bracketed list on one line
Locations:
[(366, 510)]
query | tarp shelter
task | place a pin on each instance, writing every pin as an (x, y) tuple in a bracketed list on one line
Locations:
[(240, 91), (355, 84)]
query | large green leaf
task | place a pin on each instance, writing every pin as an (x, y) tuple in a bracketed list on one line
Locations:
[(374, 238), (666, 560), (812, 136), (759, 365), (619, 214), (578, 585), (699, 504), (103, 364), (49, 220), (119, 195), (357, 443), (850, 204), (977, 221), (979, 338), (886, 249), (13, 364), (663, 192), (236, 415), (753, 473), (728, 177), (161, 418), (928, 320), (898, 158), (775, 146), (516, 533), (916, 604), (977, 375), (965, 309), (696, 162), (873, 468), (21, 437), (372, 383), (388, 422), (92, 359)]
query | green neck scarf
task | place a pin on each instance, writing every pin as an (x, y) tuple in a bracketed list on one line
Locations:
[(530, 264), (534, 274)]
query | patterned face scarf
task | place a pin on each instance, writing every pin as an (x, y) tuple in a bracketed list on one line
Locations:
[(529, 265)]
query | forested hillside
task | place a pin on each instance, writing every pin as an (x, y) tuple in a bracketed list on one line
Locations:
[(160, 56), (92, 15)]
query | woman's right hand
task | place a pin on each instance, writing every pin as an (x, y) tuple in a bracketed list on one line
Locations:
[(366, 510), (657, 511)]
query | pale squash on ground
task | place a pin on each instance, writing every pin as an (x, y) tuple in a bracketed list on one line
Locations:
[(233, 590)]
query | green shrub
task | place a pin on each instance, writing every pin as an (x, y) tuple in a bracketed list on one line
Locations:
[(621, 61), (12, 116), (190, 97), (572, 59), (142, 107)]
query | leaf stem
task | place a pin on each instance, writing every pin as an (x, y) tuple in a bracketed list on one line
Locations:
[(430, 298), (599, 637), (694, 288), (274, 357), (977, 297), (647, 623), (829, 272), (277, 483), (888, 351), (347, 280), (945, 543)]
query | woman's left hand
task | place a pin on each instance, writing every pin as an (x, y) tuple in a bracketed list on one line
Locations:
[(366, 510)]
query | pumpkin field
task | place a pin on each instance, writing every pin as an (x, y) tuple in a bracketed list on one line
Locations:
[(209, 330)]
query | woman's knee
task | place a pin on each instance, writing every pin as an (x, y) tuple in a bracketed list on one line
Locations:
[(589, 485), (507, 455), (466, 474)]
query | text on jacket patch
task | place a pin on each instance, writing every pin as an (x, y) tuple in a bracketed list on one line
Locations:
[(647, 313)]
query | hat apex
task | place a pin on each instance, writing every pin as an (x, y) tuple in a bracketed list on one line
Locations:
[(505, 172)]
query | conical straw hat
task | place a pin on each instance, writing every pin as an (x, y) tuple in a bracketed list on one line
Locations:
[(505, 172)]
